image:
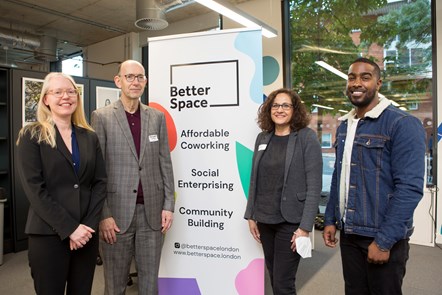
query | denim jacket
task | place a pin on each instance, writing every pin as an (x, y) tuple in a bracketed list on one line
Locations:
[(386, 175)]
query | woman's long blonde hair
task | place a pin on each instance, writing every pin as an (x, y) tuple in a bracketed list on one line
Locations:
[(44, 129)]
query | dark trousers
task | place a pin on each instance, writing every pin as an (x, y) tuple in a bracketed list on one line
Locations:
[(362, 277), (281, 262), (54, 267)]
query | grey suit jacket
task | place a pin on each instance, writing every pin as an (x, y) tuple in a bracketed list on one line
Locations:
[(302, 177), (125, 169)]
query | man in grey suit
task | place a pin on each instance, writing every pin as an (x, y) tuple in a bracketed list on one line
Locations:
[(140, 192)]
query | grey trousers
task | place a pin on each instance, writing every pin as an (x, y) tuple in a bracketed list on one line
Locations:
[(139, 242)]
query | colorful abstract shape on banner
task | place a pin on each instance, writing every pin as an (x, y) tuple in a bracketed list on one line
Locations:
[(270, 69), (178, 286), (171, 129), (244, 158), (250, 281)]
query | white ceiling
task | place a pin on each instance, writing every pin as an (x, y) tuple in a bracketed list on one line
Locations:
[(74, 23)]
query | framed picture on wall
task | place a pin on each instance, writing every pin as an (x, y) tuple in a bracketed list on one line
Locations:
[(81, 92), (106, 96), (31, 90)]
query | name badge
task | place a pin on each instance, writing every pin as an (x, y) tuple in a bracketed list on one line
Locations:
[(153, 138), (262, 147)]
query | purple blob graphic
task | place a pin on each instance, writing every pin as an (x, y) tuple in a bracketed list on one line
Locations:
[(250, 281), (178, 286)]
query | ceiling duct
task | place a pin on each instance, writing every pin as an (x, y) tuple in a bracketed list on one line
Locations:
[(44, 47), (47, 51), (150, 15), (18, 40)]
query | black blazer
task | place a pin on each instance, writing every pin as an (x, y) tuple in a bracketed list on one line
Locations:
[(59, 199), (302, 177)]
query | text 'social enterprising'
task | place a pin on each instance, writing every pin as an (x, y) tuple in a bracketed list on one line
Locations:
[(205, 180)]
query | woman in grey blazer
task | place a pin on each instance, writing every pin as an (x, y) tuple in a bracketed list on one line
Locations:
[(285, 185), (63, 175)]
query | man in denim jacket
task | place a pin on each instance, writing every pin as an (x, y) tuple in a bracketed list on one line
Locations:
[(377, 183)]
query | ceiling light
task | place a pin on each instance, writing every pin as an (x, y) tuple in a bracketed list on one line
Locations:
[(239, 16), (322, 49), (331, 69), (322, 106)]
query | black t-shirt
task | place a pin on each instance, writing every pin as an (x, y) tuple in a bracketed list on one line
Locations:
[(270, 181)]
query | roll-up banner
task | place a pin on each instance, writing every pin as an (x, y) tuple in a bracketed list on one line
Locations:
[(210, 86)]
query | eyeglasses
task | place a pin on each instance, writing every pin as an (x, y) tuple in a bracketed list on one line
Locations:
[(131, 77), (285, 106), (59, 92)]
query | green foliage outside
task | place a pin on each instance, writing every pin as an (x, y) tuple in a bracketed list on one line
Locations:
[(321, 30)]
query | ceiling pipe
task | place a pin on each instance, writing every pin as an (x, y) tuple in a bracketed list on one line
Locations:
[(150, 16), (47, 50), (44, 47), (18, 40)]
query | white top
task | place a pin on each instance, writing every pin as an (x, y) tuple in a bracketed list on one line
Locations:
[(348, 148)]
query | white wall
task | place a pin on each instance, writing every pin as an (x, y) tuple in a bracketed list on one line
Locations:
[(102, 59), (439, 116), (428, 215)]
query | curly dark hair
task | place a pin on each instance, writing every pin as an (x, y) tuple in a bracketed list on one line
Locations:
[(300, 118)]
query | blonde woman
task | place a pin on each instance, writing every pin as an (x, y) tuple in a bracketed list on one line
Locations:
[(62, 171)]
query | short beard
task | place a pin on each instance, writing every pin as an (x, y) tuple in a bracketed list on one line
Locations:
[(370, 95)]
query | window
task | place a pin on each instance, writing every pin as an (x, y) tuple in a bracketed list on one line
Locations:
[(390, 56), (397, 35), (417, 56), (413, 106), (326, 140), (73, 66)]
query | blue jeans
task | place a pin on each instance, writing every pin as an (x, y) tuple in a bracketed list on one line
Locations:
[(362, 277), (281, 262)]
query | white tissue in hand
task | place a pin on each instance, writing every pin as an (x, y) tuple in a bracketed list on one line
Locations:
[(304, 247)]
